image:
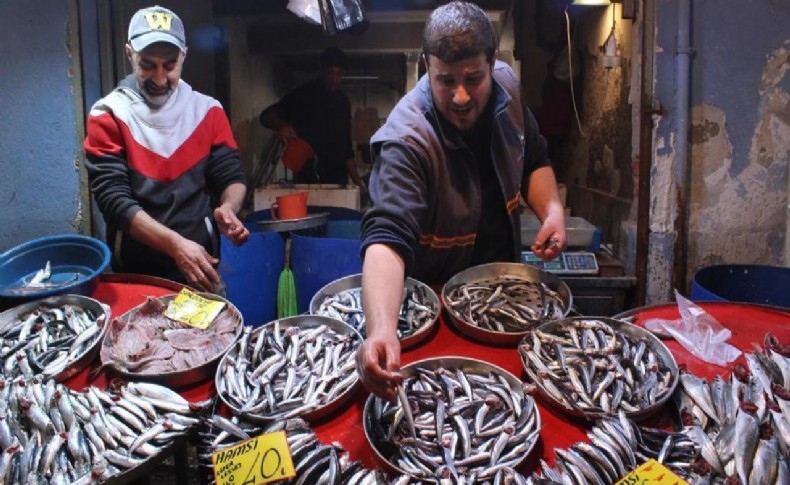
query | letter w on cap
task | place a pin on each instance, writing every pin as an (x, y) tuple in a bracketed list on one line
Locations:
[(158, 20)]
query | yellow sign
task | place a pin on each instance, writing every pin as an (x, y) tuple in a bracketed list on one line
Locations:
[(652, 472), (192, 309), (258, 460)]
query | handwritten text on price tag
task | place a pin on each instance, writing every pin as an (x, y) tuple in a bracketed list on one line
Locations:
[(258, 460), (653, 473)]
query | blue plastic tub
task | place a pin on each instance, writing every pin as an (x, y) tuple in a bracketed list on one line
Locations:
[(767, 285), (251, 273), (317, 261), (75, 263)]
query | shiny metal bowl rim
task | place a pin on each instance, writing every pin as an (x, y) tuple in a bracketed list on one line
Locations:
[(446, 362), (554, 282), (303, 321), (661, 350), (353, 281)]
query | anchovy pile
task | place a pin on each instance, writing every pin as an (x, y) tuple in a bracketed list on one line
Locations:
[(742, 424), (505, 304), (145, 341), (314, 463), (48, 339), (588, 366), (617, 446), (459, 425), (416, 311), (51, 434), (279, 373)]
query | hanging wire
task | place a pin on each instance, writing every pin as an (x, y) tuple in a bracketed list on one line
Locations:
[(570, 66)]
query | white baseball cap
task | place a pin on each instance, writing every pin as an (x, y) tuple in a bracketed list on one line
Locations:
[(156, 24)]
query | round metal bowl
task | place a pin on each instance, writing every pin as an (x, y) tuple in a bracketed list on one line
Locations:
[(386, 450), (12, 317), (493, 273), (181, 378), (569, 406), (303, 322), (354, 281)]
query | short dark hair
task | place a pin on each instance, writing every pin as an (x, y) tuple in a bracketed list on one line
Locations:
[(457, 31), (333, 57)]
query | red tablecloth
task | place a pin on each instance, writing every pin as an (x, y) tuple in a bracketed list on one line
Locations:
[(748, 323)]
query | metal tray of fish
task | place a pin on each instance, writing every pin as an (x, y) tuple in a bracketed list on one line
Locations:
[(489, 421), (497, 303), (229, 325), (81, 336), (342, 299), (592, 367), (302, 366)]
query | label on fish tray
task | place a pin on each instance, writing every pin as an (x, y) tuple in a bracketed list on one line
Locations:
[(192, 309), (652, 472), (263, 459)]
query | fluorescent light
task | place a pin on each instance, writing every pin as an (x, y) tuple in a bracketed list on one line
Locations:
[(591, 3)]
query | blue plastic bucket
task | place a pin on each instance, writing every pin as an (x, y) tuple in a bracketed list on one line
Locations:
[(251, 273), (767, 285), (317, 261)]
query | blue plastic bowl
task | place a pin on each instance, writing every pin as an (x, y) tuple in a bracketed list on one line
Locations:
[(75, 262)]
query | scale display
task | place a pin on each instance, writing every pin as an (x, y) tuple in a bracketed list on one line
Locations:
[(568, 263)]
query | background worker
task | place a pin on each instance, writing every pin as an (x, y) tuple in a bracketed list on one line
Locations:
[(320, 113), (452, 161), (163, 165)]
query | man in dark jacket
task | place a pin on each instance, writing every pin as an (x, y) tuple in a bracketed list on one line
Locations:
[(453, 160), (320, 113), (163, 164)]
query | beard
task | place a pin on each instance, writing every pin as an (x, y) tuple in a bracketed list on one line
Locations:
[(156, 96)]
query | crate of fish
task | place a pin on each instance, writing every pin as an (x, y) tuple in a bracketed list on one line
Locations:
[(55, 337), (498, 303), (302, 366), (592, 367), (342, 299), (144, 344), (456, 420)]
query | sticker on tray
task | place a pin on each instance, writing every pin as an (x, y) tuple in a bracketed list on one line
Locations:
[(192, 309), (651, 472), (263, 459)]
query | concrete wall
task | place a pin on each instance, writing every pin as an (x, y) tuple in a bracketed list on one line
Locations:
[(736, 183), (40, 137)]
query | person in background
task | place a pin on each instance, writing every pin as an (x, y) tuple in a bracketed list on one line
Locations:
[(320, 113), (452, 161), (162, 162)]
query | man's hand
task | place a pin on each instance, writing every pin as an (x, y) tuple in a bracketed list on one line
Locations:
[(551, 239), (231, 226), (196, 265), (378, 365), (285, 133)]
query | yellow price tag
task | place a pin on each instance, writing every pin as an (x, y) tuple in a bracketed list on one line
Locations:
[(192, 309), (652, 472), (258, 460)]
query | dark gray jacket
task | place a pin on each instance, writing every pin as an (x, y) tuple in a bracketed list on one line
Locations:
[(425, 186)]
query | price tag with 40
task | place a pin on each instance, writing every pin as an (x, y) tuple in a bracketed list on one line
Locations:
[(263, 459)]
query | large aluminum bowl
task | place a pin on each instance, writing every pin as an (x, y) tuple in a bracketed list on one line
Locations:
[(637, 334), (501, 272), (354, 281), (385, 449), (12, 317), (304, 322), (186, 377)]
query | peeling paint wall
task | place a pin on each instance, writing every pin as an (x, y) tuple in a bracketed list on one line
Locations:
[(739, 137), (39, 175)]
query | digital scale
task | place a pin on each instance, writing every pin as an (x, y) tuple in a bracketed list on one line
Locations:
[(568, 263)]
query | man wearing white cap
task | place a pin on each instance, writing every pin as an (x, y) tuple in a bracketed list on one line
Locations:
[(163, 165)]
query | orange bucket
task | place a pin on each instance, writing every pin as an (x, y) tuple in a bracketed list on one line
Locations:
[(297, 153), (291, 206)]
